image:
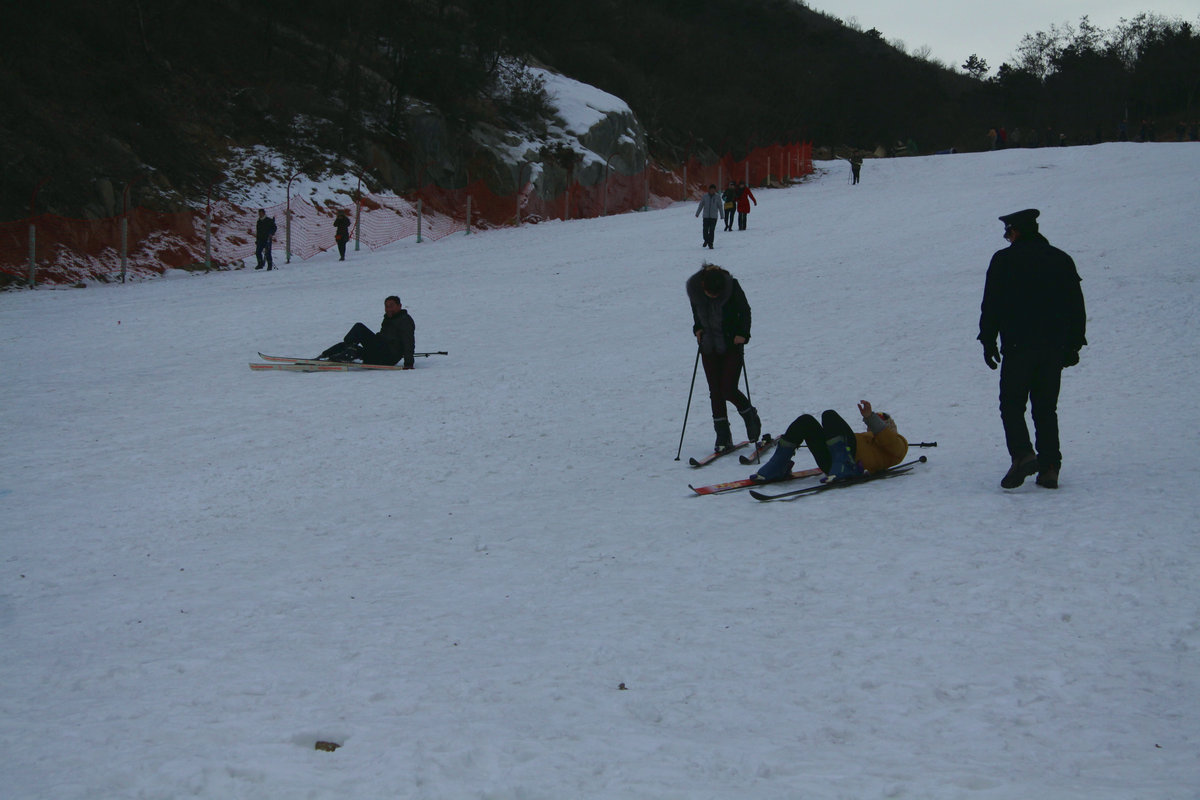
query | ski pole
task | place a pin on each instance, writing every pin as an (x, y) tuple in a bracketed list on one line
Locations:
[(688, 409), (434, 353), (746, 375), (910, 444)]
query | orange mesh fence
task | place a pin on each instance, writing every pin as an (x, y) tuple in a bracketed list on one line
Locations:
[(72, 250)]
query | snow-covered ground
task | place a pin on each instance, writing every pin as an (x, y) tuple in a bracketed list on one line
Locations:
[(452, 572)]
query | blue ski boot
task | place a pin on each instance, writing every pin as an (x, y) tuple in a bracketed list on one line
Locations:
[(843, 464), (780, 464)]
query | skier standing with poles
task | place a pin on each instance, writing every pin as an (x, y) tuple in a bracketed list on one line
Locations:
[(721, 324)]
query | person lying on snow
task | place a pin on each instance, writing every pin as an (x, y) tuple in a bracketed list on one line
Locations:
[(838, 450)]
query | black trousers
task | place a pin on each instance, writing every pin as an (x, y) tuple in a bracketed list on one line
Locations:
[(262, 248), (710, 229), (742, 221), (805, 429), (374, 350), (341, 243), (1033, 377), (729, 212), (722, 371)]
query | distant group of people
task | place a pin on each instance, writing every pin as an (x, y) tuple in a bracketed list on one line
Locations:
[(1032, 302), (396, 339), (736, 199), (265, 230)]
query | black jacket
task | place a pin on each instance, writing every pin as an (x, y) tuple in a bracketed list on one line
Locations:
[(399, 336), (1032, 298), (264, 229), (729, 313)]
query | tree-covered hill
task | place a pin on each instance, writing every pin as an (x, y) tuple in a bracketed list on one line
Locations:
[(100, 94)]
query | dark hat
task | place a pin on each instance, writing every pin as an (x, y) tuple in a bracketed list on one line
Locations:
[(1022, 220)]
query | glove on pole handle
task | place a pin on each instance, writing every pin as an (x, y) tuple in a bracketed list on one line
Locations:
[(688, 409)]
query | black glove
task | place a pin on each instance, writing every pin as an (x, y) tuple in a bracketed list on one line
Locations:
[(1070, 358), (991, 355)]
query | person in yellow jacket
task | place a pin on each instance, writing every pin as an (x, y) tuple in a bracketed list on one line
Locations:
[(837, 449)]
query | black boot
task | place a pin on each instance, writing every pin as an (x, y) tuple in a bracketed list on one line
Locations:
[(1022, 467), (342, 352), (1048, 477), (724, 435), (753, 423)]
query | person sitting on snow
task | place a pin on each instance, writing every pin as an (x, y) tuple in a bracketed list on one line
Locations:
[(395, 340), (838, 450)]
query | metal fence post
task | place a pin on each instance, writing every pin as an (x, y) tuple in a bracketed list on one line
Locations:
[(125, 230), (420, 212), (32, 254), (358, 214), (468, 233), (357, 224), (208, 235)]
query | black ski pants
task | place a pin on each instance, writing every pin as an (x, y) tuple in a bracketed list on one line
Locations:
[(374, 349), (722, 371), (1033, 377), (805, 429), (262, 252)]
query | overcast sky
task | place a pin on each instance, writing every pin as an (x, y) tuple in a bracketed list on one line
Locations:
[(992, 29)]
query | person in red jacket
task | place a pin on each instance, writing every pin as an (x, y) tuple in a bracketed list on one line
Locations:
[(745, 196), (837, 449)]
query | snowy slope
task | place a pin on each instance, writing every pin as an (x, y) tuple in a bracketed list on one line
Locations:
[(452, 571)]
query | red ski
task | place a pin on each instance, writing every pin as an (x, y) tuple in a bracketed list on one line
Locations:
[(745, 483)]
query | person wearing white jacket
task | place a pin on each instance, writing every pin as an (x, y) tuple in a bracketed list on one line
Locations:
[(713, 207)]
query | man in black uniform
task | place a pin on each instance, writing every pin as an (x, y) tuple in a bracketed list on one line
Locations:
[(264, 231), (1032, 299), (395, 340)]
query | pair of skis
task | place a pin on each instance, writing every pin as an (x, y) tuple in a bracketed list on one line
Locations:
[(766, 443), (841, 483), (287, 364)]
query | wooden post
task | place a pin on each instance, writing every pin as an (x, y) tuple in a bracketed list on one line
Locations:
[(32, 254)]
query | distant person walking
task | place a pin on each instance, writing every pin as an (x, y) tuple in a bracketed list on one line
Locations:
[(710, 207), (264, 232), (855, 167), (1033, 301), (743, 204), (341, 226), (721, 324), (730, 197)]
